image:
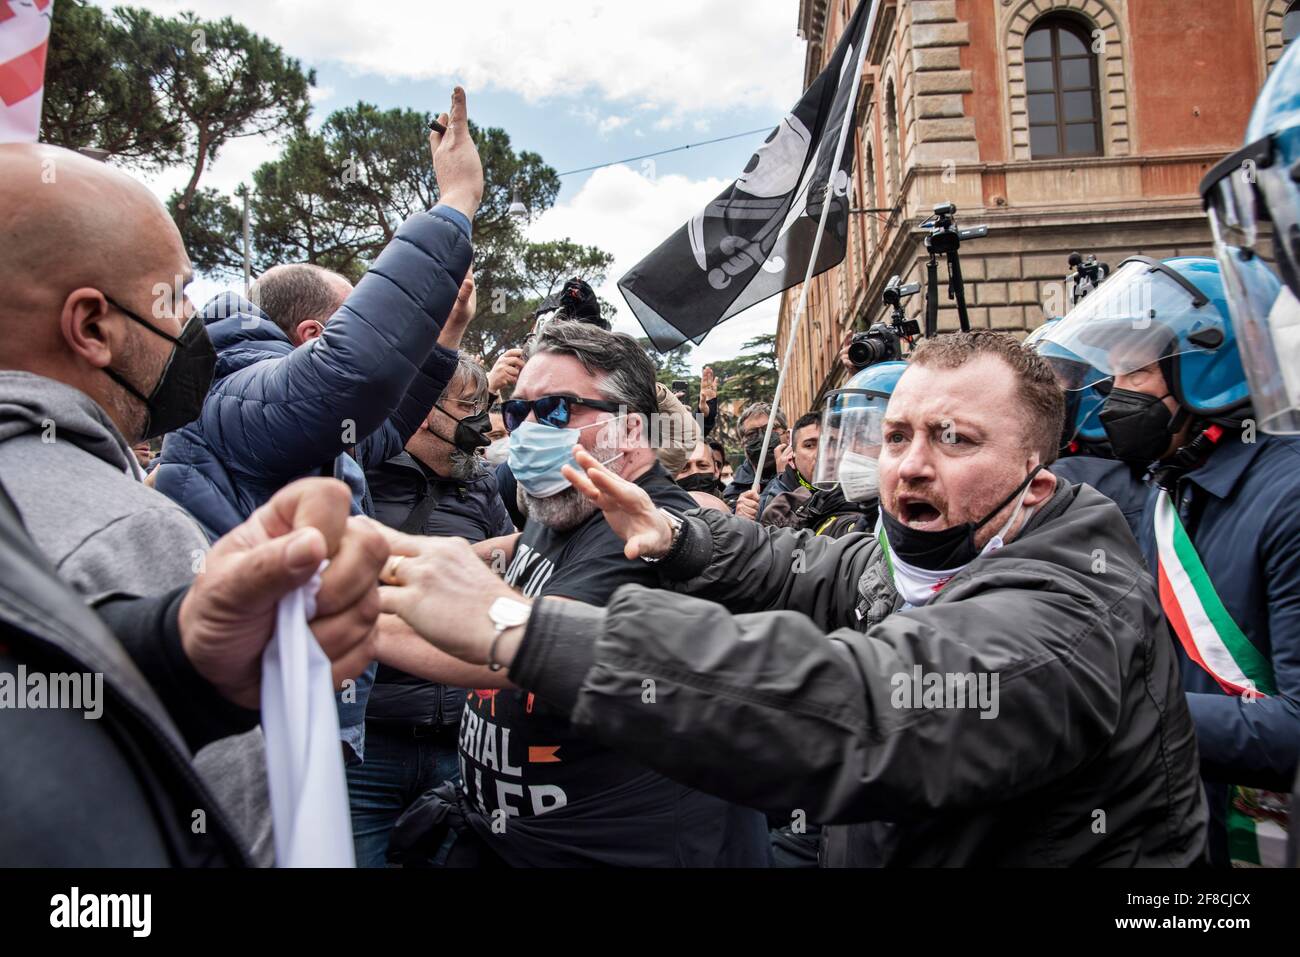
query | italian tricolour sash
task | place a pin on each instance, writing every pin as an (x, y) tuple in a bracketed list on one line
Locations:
[(1256, 819)]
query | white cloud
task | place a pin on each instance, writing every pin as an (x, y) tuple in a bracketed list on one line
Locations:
[(604, 124), (682, 56), (234, 164), (610, 123), (628, 214)]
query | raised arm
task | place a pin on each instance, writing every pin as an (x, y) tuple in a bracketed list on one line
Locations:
[(335, 391)]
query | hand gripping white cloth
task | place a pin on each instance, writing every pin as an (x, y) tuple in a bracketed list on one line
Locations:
[(304, 760)]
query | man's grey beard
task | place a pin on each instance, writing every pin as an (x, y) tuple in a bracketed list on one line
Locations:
[(462, 465), (570, 508), (561, 511)]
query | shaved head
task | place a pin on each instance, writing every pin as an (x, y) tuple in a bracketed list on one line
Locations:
[(73, 234)]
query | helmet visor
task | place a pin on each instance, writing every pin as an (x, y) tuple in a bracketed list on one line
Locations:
[(851, 426), (1266, 319), (1253, 202), (1144, 312)]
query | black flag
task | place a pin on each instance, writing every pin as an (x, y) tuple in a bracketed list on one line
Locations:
[(756, 238)]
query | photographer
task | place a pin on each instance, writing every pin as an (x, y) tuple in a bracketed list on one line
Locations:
[(815, 702)]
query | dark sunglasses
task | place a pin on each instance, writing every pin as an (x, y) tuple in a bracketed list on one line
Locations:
[(552, 410)]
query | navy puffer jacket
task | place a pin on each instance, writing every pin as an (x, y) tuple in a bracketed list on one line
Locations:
[(275, 413)]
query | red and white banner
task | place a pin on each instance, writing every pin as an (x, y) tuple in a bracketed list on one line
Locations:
[(24, 38)]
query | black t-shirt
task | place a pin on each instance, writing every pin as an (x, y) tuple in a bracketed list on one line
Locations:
[(558, 799)]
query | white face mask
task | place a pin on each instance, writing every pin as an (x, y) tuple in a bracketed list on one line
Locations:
[(918, 585), (498, 451), (859, 476)]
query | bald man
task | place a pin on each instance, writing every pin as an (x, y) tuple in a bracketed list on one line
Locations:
[(99, 350), (90, 364)]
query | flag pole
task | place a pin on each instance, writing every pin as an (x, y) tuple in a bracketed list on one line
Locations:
[(850, 108)]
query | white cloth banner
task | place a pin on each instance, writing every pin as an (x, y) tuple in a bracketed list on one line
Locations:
[(24, 39), (304, 758)]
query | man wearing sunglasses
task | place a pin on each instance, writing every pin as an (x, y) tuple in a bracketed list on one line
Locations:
[(534, 792)]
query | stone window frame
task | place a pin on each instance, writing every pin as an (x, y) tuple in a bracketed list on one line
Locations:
[(1270, 13), (1111, 70)]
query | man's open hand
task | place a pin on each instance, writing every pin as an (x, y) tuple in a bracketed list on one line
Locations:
[(708, 388), (228, 615), (456, 163), (629, 511)]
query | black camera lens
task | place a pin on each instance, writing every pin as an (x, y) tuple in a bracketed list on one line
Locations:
[(867, 349)]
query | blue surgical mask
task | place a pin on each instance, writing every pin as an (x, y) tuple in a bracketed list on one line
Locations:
[(537, 453)]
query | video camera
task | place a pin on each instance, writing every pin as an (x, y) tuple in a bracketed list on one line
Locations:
[(883, 341), (945, 239), (576, 302), (944, 236), (1087, 274)]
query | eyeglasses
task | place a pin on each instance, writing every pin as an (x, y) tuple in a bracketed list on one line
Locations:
[(468, 407), (552, 410)]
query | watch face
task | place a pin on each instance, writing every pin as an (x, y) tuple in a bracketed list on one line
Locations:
[(507, 612)]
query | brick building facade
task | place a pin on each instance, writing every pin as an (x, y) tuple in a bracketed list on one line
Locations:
[(1062, 125)]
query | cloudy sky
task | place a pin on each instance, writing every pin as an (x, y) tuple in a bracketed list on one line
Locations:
[(579, 83)]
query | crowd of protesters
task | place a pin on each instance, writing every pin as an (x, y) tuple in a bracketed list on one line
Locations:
[(999, 603)]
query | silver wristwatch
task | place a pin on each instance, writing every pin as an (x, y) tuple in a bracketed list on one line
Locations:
[(505, 613), (676, 523)]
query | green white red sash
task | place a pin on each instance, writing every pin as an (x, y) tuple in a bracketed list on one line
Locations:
[(1256, 820), (1207, 632)]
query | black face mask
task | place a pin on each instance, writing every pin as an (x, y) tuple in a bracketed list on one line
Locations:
[(177, 397), (1138, 425), (700, 482), (471, 431), (752, 450), (948, 548)]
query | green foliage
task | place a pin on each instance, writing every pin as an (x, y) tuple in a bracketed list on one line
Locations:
[(99, 92), (751, 376), (670, 366)]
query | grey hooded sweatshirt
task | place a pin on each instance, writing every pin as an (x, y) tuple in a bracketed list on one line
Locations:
[(80, 492)]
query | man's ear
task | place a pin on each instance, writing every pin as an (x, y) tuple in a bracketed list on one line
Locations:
[(1041, 488), (308, 330), (89, 327)]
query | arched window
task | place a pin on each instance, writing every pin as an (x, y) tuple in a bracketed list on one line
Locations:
[(1291, 23), (893, 158), (1062, 86)]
